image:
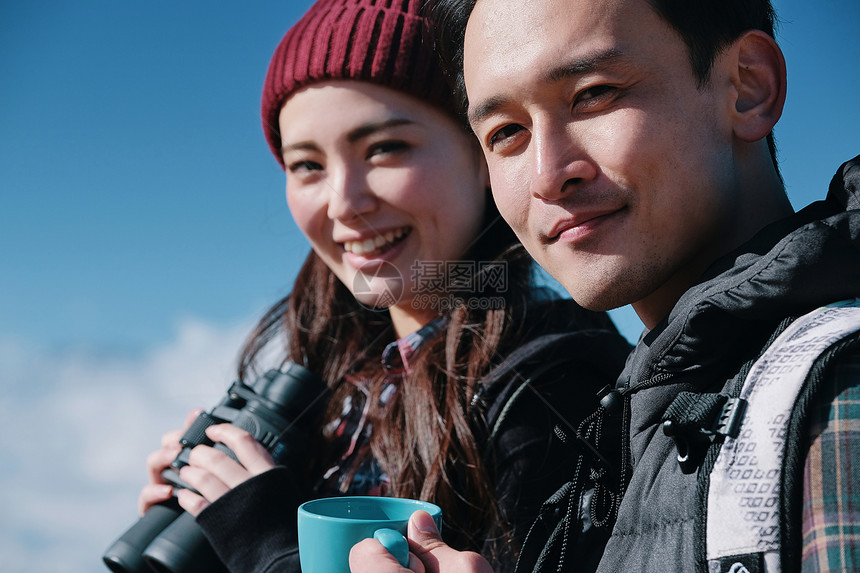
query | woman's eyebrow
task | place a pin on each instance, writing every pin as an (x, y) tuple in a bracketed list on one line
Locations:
[(299, 146), (352, 136), (366, 129)]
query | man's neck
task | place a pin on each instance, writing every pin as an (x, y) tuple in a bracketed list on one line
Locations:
[(763, 202)]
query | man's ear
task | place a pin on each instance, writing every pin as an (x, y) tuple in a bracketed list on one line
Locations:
[(759, 78)]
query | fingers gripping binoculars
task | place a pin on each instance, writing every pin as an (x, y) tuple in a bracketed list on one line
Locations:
[(280, 409)]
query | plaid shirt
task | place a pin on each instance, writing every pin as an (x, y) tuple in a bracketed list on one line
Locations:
[(355, 471), (831, 480)]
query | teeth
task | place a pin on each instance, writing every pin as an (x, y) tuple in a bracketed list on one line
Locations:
[(372, 244)]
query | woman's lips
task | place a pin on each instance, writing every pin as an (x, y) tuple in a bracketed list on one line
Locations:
[(377, 244)]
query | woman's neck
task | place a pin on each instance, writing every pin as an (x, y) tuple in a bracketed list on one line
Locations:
[(407, 320)]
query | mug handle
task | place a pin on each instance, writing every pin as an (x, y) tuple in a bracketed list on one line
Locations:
[(394, 543)]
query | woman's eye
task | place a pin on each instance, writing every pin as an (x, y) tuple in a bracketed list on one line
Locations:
[(503, 134), (385, 147), (304, 166)]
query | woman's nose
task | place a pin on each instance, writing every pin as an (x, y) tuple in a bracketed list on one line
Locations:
[(350, 196)]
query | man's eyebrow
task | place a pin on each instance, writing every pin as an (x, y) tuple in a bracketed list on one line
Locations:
[(577, 66), (352, 136), (582, 65), (486, 108)]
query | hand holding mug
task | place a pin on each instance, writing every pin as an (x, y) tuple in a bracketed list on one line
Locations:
[(329, 527), (428, 553)]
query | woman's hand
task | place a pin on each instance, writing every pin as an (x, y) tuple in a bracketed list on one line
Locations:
[(213, 473), (158, 490)]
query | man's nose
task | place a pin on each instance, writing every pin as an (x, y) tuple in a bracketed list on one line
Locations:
[(560, 163)]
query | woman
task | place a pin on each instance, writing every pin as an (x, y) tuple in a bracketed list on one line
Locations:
[(412, 297)]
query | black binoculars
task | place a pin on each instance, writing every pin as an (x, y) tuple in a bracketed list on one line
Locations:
[(280, 409)]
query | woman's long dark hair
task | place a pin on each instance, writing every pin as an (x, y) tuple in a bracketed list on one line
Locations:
[(425, 438)]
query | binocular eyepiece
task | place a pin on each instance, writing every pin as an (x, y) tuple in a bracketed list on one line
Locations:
[(279, 409)]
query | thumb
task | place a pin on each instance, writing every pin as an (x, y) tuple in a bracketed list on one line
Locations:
[(422, 531), (437, 557)]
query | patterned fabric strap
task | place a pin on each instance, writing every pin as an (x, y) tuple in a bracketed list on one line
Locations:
[(743, 498)]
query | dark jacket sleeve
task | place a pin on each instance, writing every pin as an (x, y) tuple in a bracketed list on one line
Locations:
[(253, 526), (558, 386)]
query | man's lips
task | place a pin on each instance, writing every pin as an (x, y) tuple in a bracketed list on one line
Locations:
[(577, 225)]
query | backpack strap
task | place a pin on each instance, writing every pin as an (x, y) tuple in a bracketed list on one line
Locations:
[(603, 350), (743, 498), (554, 356), (557, 534), (515, 390)]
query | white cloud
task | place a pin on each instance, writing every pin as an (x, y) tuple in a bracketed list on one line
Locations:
[(75, 429)]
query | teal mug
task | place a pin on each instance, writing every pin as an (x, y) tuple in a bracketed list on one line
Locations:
[(329, 527)]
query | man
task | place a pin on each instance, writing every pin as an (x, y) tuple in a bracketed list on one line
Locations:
[(629, 145)]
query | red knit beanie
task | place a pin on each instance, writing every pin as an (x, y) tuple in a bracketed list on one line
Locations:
[(386, 42)]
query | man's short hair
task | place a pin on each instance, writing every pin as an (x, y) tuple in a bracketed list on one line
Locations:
[(706, 27)]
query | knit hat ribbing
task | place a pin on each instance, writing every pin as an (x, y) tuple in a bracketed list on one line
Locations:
[(386, 42)]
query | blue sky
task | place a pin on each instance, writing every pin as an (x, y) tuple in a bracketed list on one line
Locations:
[(143, 229)]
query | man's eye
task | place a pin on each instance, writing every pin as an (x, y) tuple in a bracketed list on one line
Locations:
[(502, 134), (594, 93), (304, 166)]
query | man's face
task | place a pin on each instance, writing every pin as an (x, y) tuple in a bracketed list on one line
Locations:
[(614, 169)]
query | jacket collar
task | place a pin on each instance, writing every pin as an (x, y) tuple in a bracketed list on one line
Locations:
[(789, 268)]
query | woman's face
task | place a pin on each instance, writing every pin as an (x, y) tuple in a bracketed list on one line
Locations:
[(386, 188)]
